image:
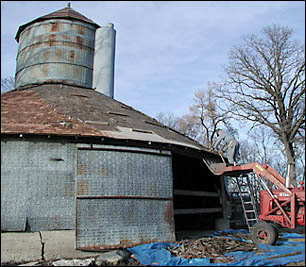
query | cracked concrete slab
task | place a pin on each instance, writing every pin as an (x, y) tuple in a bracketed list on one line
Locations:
[(61, 244), (20, 247)]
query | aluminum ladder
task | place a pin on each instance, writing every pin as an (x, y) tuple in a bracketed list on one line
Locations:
[(246, 194)]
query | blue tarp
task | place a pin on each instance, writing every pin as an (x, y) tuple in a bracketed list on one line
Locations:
[(292, 251)]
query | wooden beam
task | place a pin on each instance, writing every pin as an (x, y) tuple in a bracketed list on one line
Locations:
[(195, 193), (197, 211)]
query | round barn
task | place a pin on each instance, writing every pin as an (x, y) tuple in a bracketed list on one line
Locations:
[(72, 157)]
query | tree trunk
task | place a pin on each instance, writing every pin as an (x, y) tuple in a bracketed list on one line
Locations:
[(290, 161)]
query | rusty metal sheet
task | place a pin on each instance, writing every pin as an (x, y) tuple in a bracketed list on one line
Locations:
[(56, 50), (124, 198)]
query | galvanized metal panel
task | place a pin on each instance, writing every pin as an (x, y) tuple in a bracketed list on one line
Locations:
[(14, 172), (110, 173), (38, 185), (124, 198), (114, 223), (56, 50)]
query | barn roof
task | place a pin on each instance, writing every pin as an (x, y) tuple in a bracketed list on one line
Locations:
[(64, 110)]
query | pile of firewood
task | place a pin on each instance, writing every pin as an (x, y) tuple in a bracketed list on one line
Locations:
[(213, 248)]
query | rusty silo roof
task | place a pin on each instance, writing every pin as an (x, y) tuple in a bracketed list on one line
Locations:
[(55, 109), (66, 13)]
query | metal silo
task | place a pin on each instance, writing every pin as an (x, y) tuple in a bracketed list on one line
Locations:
[(56, 48)]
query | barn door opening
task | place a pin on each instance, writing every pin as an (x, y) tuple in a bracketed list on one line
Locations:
[(196, 193)]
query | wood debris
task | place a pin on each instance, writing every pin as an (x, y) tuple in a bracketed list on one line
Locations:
[(213, 248)]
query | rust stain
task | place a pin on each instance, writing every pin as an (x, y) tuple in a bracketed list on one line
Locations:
[(46, 55), (80, 29), (58, 53), (55, 27), (104, 171), (169, 217), (82, 169), (45, 70), (52, 40), (66, 37), (79, 40), (82, 187), (123, 244), (71, 55)]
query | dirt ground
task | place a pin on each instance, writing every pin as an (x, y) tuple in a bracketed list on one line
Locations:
[(132, 261)]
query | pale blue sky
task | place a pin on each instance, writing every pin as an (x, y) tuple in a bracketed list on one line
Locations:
[(165, 51)]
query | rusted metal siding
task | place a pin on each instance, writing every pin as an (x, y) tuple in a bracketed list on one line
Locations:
[(124, 198), (56, 50), (37, 185)]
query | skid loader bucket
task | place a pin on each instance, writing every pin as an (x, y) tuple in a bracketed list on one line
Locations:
[(215, 163)]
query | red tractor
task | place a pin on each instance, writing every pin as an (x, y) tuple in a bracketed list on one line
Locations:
[(283, 207)]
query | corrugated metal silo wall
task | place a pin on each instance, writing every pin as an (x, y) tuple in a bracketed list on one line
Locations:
[(56, 50), (37, 185), (124, 197)]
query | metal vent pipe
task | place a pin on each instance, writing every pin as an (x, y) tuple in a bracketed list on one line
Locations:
[(104, 60)]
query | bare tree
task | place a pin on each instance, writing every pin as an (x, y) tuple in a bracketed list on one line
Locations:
[(266, 86), (189, 126), (209, 117), (168, 119), (185, 125), (7, 84), (203, 119)]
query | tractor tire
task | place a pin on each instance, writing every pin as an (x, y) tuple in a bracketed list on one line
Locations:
[(277, 229), (263, 233)]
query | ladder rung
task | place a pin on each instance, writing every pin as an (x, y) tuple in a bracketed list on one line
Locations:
[(249, 210), (251, 219), (248, 202)]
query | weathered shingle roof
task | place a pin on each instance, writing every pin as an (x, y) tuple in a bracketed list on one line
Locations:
[(66, 13), (68, 110)]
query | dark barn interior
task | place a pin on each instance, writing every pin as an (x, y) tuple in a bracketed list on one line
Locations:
[(196, 194)]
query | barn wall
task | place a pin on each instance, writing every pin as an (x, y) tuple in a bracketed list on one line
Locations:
[(124, 197), (126, 190), (114, 196), (37, 185)]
